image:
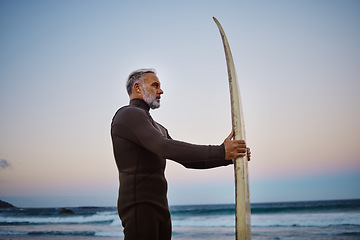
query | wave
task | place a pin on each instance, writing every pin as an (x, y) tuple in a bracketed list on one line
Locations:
[(271, 220), (26, 219), (293, 214), (271, 208), (349, 234), (64, 233), (306, 220), (323, 213), (221, 209), (308, 207)]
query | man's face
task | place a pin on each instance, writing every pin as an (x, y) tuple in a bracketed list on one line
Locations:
[(152, 91)]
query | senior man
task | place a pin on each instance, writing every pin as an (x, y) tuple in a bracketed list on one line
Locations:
[(141, 147)]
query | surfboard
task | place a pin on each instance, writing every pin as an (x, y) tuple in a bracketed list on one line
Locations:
[(242, 195)]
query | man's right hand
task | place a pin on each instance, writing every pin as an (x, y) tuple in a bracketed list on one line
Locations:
[(234, 148)]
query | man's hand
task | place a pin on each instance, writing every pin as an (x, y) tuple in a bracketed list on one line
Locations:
[(235, 148)]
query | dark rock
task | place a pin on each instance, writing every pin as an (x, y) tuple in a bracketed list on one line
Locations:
[(5, 205), (66, 211)]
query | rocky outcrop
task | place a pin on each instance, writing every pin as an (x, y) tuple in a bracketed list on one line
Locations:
[(66, 211), (6, 205)]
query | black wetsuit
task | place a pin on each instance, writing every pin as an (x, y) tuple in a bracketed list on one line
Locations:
[(141, 147)]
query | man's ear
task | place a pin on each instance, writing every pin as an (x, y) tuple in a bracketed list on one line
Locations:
[(137, 87)]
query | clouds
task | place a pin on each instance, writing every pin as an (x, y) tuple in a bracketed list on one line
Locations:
[(4, 164)]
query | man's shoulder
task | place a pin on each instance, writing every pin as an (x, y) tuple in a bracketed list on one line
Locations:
[(130, 109), (128, 113)]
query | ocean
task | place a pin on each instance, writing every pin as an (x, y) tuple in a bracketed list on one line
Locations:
[(288, 220)]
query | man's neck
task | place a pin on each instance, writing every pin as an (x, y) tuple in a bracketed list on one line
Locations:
[(139, 103)]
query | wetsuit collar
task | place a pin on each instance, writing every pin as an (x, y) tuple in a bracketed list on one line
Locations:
[(140, 103)]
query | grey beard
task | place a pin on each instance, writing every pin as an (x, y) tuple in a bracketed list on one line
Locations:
[(151, 100), (154, 104)]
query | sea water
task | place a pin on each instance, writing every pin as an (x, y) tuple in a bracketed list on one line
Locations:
[(291, 220)]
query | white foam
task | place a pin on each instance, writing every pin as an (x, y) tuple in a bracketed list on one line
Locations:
[(109, 234), (305, 219), (98, 217)]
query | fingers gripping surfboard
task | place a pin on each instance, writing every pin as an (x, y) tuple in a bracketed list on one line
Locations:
[(242, 196)]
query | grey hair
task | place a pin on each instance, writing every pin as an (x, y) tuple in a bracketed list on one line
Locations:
[(136, 76)]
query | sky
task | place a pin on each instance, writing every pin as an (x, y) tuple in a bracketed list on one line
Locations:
[(63, 67)]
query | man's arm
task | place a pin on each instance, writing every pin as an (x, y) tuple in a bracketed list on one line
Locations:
[(144, 133), (218, 163), (206, 164)]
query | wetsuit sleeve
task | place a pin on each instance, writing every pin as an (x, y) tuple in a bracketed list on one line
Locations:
[(207, 164), (140, 130), (204, 164)]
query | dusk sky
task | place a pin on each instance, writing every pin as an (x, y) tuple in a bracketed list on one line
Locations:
[(63, 67)]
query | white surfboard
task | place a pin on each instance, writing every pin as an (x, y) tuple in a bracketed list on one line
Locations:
[(242, 195)]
